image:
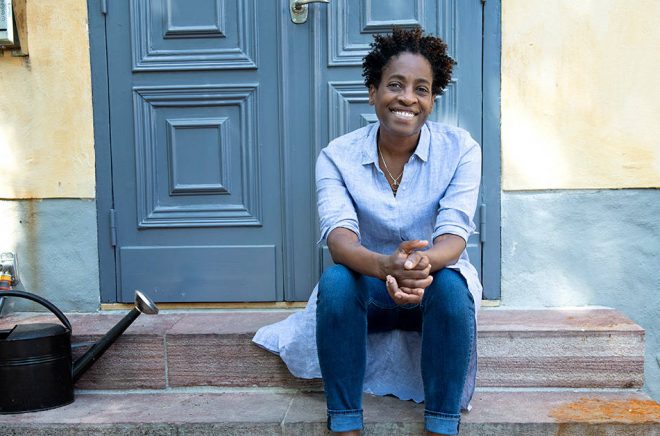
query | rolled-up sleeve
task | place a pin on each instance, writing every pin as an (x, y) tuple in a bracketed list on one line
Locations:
[(335, 205), (456, 207)]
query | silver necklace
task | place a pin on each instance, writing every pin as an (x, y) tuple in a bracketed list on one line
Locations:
[(395, 180)]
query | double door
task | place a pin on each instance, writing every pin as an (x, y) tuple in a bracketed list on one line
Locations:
[(217, 111)]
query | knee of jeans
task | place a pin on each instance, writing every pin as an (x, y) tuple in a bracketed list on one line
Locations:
[(448, 295), (338, 289)]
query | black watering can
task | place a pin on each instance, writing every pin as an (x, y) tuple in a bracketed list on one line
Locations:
[(36, 368)]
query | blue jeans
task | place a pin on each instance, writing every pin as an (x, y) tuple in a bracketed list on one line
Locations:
[(350, 305)]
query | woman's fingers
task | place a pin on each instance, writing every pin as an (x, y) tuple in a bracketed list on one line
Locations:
[(408, 247), (414, 291), (403, 295), (417, 260), (415, 284), (419, 280), (415, 274), (392, 287), (403, 298)]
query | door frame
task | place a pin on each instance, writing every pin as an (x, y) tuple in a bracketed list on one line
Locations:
[(96, 11), (491, 79), (491, 145)]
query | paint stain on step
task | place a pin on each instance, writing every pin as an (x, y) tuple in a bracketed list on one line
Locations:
[(596, 410)]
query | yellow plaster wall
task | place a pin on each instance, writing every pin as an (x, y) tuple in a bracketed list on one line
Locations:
[(46, 136), (580, 94)]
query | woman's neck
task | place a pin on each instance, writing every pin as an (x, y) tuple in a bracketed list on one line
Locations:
[(397, 147)]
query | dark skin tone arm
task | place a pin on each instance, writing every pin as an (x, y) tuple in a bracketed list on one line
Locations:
[(406, 271)]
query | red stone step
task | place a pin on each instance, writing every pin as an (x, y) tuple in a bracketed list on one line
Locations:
[(577, 348)]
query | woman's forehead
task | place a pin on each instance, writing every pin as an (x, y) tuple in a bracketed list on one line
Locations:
[(408, 64)]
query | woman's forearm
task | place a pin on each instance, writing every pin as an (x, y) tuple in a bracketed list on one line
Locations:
[(446, 250), (346, 249)]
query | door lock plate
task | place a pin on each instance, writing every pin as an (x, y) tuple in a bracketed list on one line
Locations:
[(299, 9)]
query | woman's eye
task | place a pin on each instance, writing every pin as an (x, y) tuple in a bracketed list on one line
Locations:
[(422, 90), (394, 85)]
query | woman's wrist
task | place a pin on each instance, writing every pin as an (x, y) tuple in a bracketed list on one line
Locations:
[(382, 266)]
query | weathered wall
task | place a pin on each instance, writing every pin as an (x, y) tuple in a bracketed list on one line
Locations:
[(47, 152), (580, 94), (578, 248), (55, 241), (46, 136), (580, 109)]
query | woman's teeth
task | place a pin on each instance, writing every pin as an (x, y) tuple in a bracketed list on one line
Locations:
[(404, 114)]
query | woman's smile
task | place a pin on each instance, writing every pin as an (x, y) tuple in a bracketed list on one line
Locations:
[(404, 114)]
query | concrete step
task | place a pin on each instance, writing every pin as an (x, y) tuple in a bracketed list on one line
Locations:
[(527, 413), (576, 348)]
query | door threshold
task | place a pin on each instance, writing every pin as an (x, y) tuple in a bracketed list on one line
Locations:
[(255, 305), (202, 306)]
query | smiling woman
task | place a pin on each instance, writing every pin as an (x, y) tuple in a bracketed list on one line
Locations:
[(396, 202), (402, 106)]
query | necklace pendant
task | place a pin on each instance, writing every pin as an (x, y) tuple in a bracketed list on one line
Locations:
[(396, 183)]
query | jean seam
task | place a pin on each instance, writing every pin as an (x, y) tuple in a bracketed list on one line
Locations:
[(448, 416), (473, 334), (380, 306), (345, 412)]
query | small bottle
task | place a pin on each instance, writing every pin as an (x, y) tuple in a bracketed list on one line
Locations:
[(5, 281), (5, 285)]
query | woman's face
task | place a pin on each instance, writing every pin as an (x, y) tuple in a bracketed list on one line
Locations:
[(403, 99)]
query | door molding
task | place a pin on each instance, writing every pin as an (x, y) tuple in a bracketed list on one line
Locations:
[(491, 146), (102, 150)]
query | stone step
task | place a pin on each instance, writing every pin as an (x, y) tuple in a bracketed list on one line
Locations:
[(526, 413), (576, 348)]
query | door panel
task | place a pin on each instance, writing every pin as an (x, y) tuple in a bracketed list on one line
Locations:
[(215, 34), (195, 148), (225, 261), (197, 157), (217, 113)]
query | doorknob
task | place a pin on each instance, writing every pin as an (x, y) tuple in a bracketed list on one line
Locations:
[(298, 9)]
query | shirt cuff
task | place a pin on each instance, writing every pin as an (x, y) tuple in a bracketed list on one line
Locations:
[(452, 230), (346, 225)]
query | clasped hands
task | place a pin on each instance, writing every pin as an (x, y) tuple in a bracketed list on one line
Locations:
[(408, 272)]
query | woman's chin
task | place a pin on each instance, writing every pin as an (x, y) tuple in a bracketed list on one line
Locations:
[(403, 131)]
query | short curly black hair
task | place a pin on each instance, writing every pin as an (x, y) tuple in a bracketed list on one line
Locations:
[(386, 47)]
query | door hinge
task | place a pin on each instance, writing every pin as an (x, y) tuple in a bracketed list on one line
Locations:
[(482, 223), (113, 228), (104, 7)]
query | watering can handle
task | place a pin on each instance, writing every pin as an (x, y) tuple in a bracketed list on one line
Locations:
[(37, 299)]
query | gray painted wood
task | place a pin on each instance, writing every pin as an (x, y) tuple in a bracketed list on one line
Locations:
[(217, 114), (491, 180), (195, 149), (102, 151), (224, 261)]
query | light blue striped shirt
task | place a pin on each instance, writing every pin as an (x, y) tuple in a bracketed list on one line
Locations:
[(438, 192)]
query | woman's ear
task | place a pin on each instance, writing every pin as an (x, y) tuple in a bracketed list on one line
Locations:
[(372, 95)]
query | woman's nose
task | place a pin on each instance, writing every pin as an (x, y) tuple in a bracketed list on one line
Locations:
[(407, 97)]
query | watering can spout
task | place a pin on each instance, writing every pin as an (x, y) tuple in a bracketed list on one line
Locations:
[(143, 304)]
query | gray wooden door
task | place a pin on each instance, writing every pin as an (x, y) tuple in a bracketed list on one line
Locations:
[(217, 112)]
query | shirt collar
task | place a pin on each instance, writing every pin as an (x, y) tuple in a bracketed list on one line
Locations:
[(370, 150)]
